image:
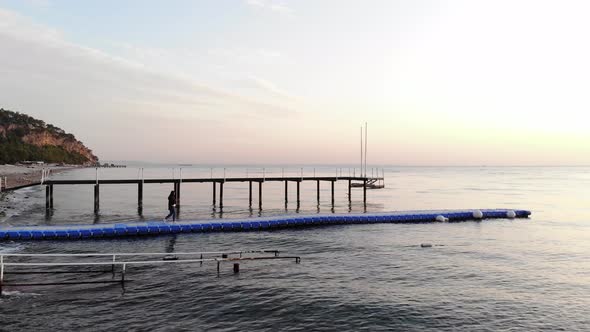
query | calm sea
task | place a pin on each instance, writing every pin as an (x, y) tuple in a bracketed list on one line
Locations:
[(494, 275)]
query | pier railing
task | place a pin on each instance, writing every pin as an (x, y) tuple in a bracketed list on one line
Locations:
[(218, 177), (118, 260)]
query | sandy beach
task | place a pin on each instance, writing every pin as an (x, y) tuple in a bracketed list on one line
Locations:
[(20, 175)]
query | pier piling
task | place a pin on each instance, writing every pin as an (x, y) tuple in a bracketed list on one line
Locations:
[(221, 195), (250, 193), (140, 196), (332, 185), (96, 198), (365, 192), (298, 193), (286, 192), (260, 195), (318, 190), (349, 191), (51, 196), (177, 191), (214, 192), (46, 197)]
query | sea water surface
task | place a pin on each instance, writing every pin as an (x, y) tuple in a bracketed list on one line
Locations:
[(494, 275)]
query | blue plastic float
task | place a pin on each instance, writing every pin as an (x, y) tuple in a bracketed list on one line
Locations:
[(247, 224)]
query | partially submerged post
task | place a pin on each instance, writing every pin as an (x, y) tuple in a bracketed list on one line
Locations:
[(51, 196), (96, 198), (298, 195), (214, 192), (250, 193), (260, 195), (286, 192), (365, 191), (318, 190), (332, 192), (349, 191), (221, 195)]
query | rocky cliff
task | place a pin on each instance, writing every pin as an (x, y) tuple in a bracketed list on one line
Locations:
[(25, 138)]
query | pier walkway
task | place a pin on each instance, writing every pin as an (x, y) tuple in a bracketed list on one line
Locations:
[(247, 224)]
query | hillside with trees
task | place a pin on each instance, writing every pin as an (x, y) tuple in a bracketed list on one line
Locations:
[(24, 138)]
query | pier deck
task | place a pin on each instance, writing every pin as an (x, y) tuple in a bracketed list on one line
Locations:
[(218, 183)]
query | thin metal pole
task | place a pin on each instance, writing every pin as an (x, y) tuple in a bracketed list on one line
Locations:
[(250, 193), (51, 196), (286, 192), (298, 201), (361, 150)]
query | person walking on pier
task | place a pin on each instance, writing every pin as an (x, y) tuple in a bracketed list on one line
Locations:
[(171, 206)]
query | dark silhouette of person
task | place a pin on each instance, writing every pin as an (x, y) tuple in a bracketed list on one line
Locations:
[(171, 206)]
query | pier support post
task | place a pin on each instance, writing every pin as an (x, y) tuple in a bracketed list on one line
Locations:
[(140, 196), (96, 198), (51, 196), (365, 192), (260, 195), (177, 191), (332, 192), (221, 195), (286, 192), (298, 193), (46, 197), (214, 192), (349, 191), (250, 193), (318, 191)]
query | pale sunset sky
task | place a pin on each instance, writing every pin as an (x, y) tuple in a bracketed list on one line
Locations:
[(292, 81)]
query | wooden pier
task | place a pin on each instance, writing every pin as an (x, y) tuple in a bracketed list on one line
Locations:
[(217, 187)]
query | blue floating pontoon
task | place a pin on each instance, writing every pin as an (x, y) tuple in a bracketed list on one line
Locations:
[(247, 224)]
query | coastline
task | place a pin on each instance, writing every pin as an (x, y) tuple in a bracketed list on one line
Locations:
[(20, 175), (13, 202)]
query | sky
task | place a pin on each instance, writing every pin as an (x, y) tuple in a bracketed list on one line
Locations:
[(292, 81)]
